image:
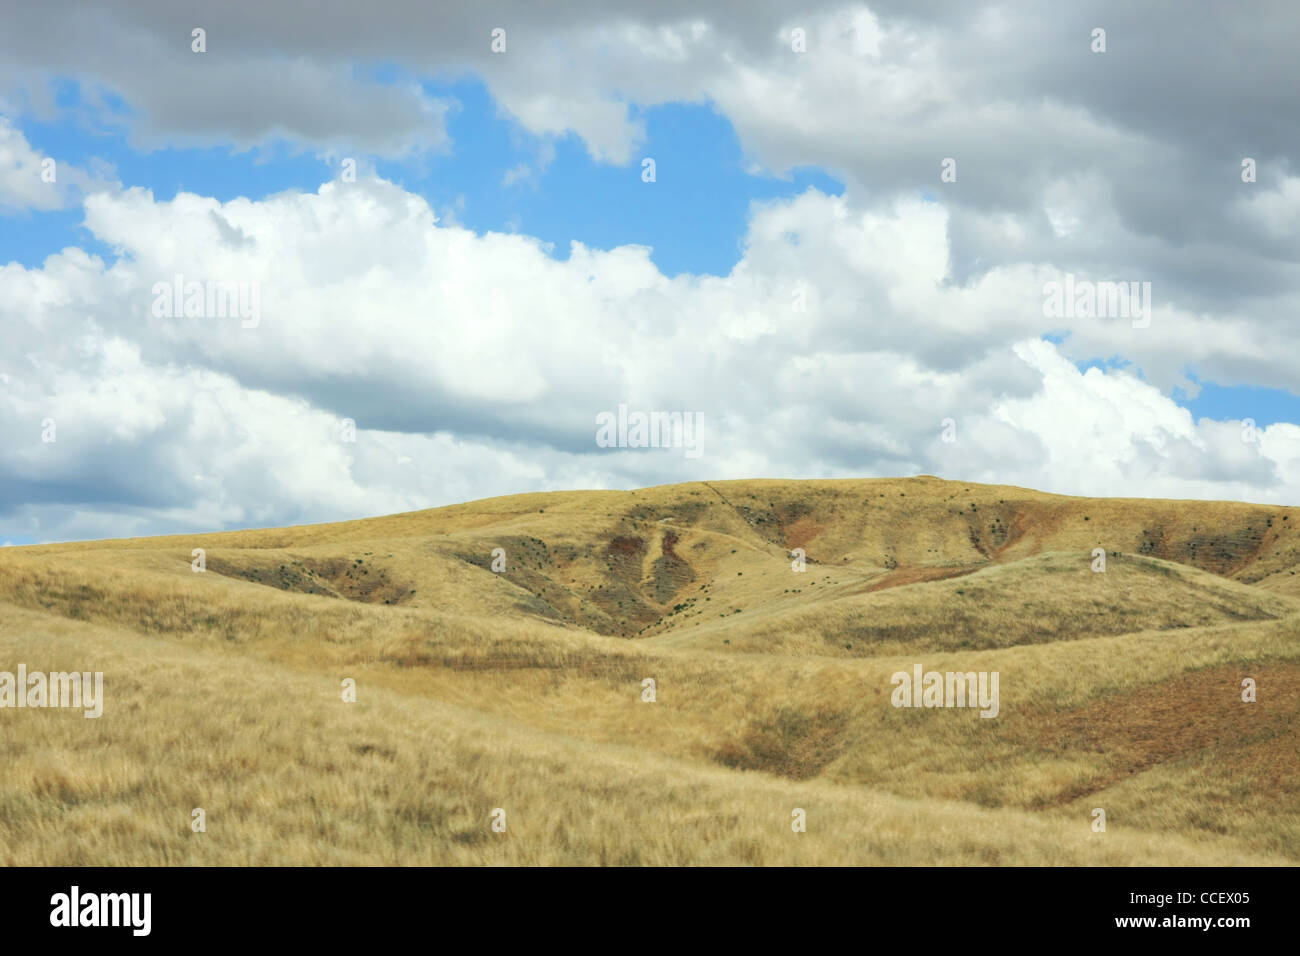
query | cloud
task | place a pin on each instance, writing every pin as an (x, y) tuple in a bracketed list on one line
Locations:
[(1109, 433), (30, 180), (477, 364), (1065, 156), (849, 331)]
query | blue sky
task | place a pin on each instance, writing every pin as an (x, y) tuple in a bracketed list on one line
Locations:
[(694, 221)]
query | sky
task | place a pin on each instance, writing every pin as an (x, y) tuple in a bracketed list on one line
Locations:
[(826, 234)]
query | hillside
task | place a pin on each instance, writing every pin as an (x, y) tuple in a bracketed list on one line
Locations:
[(523, 689)]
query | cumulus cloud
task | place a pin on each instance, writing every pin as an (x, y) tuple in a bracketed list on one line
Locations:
[(1065, 157), (850, 330), (477, 364), (30, 180)]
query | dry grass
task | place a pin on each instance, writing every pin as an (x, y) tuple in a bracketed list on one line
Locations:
[(523, 690)]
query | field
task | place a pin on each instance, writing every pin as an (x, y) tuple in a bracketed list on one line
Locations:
[(521, 690)]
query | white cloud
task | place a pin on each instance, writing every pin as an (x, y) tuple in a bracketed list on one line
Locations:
[(476, 365), (30, 180), (850, 329)]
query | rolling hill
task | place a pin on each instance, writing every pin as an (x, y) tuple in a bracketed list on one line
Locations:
[(522, 688)]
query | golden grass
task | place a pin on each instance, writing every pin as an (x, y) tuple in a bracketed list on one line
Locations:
[(523, 690)]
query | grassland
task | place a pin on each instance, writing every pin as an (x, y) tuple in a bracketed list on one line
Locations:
[(522, 690)]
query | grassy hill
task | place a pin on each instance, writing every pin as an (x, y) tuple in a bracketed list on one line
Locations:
[(522, 689)]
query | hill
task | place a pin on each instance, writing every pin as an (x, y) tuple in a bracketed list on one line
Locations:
[(522, 688)]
